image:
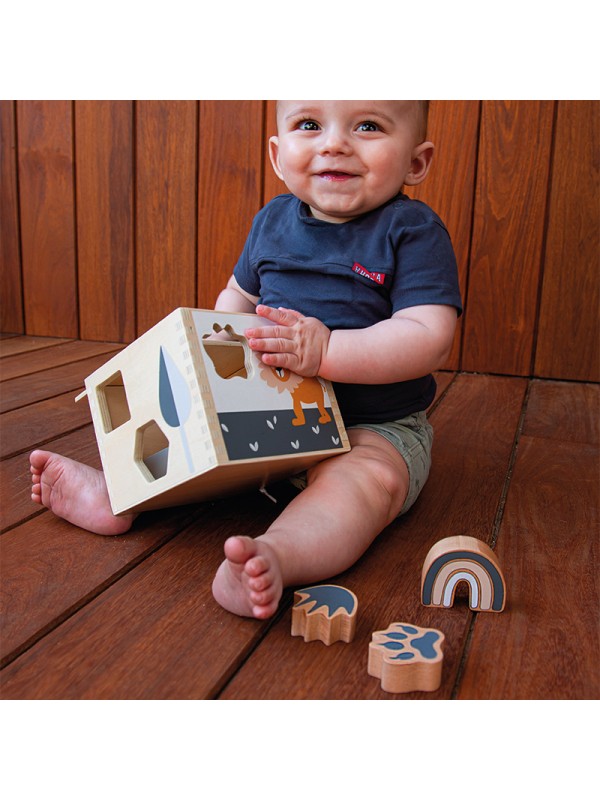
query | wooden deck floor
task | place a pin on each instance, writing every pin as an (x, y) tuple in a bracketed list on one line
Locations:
[(84, 616)]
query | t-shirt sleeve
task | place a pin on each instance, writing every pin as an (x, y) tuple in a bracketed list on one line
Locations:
[(426, 270), (245, 275)]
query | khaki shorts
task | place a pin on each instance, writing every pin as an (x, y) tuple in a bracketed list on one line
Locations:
[(412, 437)]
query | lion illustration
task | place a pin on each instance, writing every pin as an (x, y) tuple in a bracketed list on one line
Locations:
[(302, 390)]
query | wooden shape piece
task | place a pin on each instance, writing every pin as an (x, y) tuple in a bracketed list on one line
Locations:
[(326, 613), (407, 658), (463, 558)]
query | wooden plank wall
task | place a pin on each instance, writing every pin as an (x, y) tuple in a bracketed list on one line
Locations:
[(112, 213)]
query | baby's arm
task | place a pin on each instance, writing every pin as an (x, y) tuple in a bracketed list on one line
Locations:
[(414, 342), (234, 298)]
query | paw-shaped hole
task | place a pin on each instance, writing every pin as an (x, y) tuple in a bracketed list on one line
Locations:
[(229, 352)]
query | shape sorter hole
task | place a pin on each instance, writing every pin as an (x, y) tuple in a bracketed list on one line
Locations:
[(229, 352), (151, 451), (113, 403)]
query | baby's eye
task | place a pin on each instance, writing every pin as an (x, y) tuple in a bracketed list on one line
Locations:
[(368, 126), (308, 125)]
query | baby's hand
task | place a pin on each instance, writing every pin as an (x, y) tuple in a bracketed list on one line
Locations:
[(295, 342)]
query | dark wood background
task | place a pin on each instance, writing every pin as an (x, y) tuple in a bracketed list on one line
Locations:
[(113, 213)]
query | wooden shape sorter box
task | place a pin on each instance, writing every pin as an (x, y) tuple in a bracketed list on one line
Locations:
[(188, 411)]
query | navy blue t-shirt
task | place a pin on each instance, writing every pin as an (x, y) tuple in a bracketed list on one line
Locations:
[(352, 275)]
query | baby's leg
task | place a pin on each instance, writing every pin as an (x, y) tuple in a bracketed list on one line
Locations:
[(75, 492), (349, 499)]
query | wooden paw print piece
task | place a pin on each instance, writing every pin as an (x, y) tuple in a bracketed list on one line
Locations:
[(326, 613), (407, 658)]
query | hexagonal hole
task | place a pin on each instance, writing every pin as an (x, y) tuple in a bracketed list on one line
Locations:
[(151, 451), (112, 402)]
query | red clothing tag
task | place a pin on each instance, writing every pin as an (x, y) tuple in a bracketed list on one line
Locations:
[(378, 277)]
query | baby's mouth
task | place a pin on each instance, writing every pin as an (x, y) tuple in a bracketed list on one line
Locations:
[(336, 175)]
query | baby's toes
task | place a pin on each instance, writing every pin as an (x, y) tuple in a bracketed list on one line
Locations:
[(256, 566), (263, 597), (261, 582)]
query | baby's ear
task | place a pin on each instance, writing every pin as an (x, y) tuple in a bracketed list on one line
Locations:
[(421, 161), (274, 155)]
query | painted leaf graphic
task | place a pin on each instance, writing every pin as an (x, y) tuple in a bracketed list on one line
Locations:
[(174, 398), (173, 392)]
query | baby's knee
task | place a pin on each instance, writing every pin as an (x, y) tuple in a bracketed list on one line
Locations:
[(380, 474), (390, 476)]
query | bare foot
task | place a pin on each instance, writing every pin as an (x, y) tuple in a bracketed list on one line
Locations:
[(75, 492), (248, 582)]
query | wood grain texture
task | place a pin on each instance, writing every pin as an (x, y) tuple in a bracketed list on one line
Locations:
[(104, 160), (230, 175), (512, 185), (563, 411), (50, 382), (166, 187), (11, 289), (568, 345), (50, 568), (24, 428), (549, 644), (453, 128), (159, 621), (44, 358), (16, 505), (202, 170), (15, 345), (133, 616), (461, 497), (47, 212)]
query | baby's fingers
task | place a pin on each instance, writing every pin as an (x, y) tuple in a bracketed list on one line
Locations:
[(281, 316), (281, 360), (259, 339)]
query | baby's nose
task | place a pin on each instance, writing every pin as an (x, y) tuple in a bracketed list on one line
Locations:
[(335, 140)]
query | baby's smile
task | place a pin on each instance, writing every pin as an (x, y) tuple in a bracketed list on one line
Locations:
[(336, 175)]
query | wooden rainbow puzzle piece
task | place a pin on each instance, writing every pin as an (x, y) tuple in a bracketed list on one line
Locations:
[(326, 613), (407, 658), (463, 558)]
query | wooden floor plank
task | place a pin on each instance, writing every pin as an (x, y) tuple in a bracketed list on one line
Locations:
[(133, 616), (48, 383), (26, 428), (27, 344), (50, 567), (568, 412), (546, 644), (156, 633), (475, 426), (15, 366), (15, 477)]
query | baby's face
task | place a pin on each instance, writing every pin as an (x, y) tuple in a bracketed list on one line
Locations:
[(346, 157)]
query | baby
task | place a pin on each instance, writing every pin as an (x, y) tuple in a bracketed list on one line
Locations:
[(362, 286)]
